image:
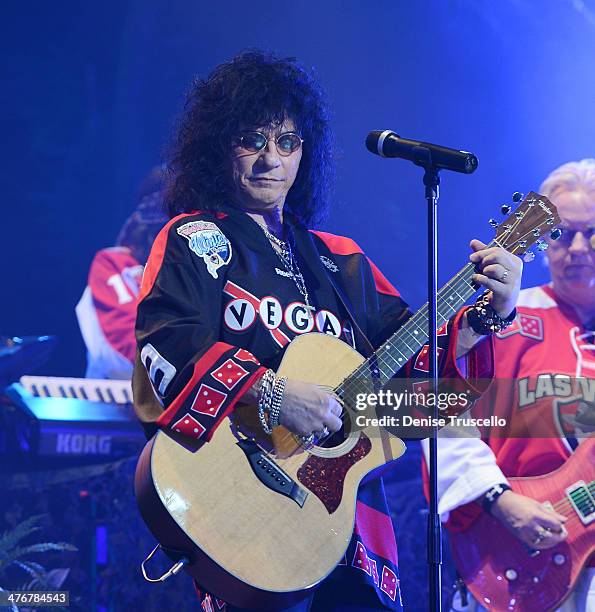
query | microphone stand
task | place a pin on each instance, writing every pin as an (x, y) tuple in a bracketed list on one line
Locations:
[(434, 533), (420, 153)]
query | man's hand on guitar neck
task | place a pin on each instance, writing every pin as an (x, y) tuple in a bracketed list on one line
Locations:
[(530, 521), (500, 272)]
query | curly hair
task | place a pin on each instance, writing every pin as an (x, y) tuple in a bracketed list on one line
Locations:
[(254, 89)]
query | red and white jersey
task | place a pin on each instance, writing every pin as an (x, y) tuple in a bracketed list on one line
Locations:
[(544, 422), (107, 311)]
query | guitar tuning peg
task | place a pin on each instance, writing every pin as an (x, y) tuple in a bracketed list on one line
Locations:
[(528, 256), (506, 208), (517, 196), (555, 233), (541, 245), (493, 222), (536, 232)]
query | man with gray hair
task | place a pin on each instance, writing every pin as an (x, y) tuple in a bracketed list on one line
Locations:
[(553, 335)]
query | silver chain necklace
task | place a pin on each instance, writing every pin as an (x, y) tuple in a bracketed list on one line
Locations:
[(290, 264)]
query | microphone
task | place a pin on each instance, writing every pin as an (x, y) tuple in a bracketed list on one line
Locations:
[(388, 144)]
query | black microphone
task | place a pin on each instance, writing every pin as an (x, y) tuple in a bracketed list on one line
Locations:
[(388, 144)]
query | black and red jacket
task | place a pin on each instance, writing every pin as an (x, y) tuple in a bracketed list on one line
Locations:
[(217, 308)]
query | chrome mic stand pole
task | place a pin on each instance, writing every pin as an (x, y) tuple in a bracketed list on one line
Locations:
[(434, 534)]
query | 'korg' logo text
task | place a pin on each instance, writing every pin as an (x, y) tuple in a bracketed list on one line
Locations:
[(83, 444)]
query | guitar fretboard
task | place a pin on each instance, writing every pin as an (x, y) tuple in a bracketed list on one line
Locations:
[(387, 360), (521, 229)]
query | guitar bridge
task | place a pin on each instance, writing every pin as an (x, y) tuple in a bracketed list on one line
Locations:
[(270, 474)]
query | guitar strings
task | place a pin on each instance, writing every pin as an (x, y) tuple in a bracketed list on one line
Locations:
[(565, 505), (453, 285), (351, 381), (562, 506), (459, 281)]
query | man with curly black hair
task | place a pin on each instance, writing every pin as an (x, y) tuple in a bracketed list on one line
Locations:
[(239, 272), (252, 90)]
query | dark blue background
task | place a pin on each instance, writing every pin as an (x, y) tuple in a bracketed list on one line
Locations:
[(91, 90)]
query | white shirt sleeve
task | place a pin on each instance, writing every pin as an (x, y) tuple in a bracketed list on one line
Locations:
[(467, 468)]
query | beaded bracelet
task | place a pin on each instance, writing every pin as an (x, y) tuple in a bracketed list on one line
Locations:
[(484, 320), (492, 495), (278, 391), (265, 398)]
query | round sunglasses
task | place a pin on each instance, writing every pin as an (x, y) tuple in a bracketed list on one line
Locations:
[(253, 142)]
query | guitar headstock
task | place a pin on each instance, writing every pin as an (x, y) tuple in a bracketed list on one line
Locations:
[(534, 217)]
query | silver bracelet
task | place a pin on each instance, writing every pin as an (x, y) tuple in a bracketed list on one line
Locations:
[(484, 320), (265, 399), (278, 390)]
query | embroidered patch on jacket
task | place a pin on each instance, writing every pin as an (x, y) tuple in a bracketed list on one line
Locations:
[(329, 263), (207, 241)]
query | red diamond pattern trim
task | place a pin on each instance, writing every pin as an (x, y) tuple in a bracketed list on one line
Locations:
[(229, 374), (189, 426), (388, 583), (208, 400), (360, 559), (532, 327), (422, 363)]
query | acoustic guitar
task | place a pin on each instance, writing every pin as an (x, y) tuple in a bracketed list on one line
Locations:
[(260, 520)]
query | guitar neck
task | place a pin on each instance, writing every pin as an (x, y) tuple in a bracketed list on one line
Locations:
[(521, 229), (391, 356)]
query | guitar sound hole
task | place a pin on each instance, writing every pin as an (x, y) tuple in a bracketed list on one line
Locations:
[(335, 439)]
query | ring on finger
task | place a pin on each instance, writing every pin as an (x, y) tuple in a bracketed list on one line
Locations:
[(542, 534), (307, 440), (503, 277), (538, 539)]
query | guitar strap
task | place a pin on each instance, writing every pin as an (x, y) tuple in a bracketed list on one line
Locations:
[(312, 255), (311, 252)]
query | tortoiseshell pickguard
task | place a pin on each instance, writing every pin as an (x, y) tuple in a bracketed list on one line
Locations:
[(325, 477)]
